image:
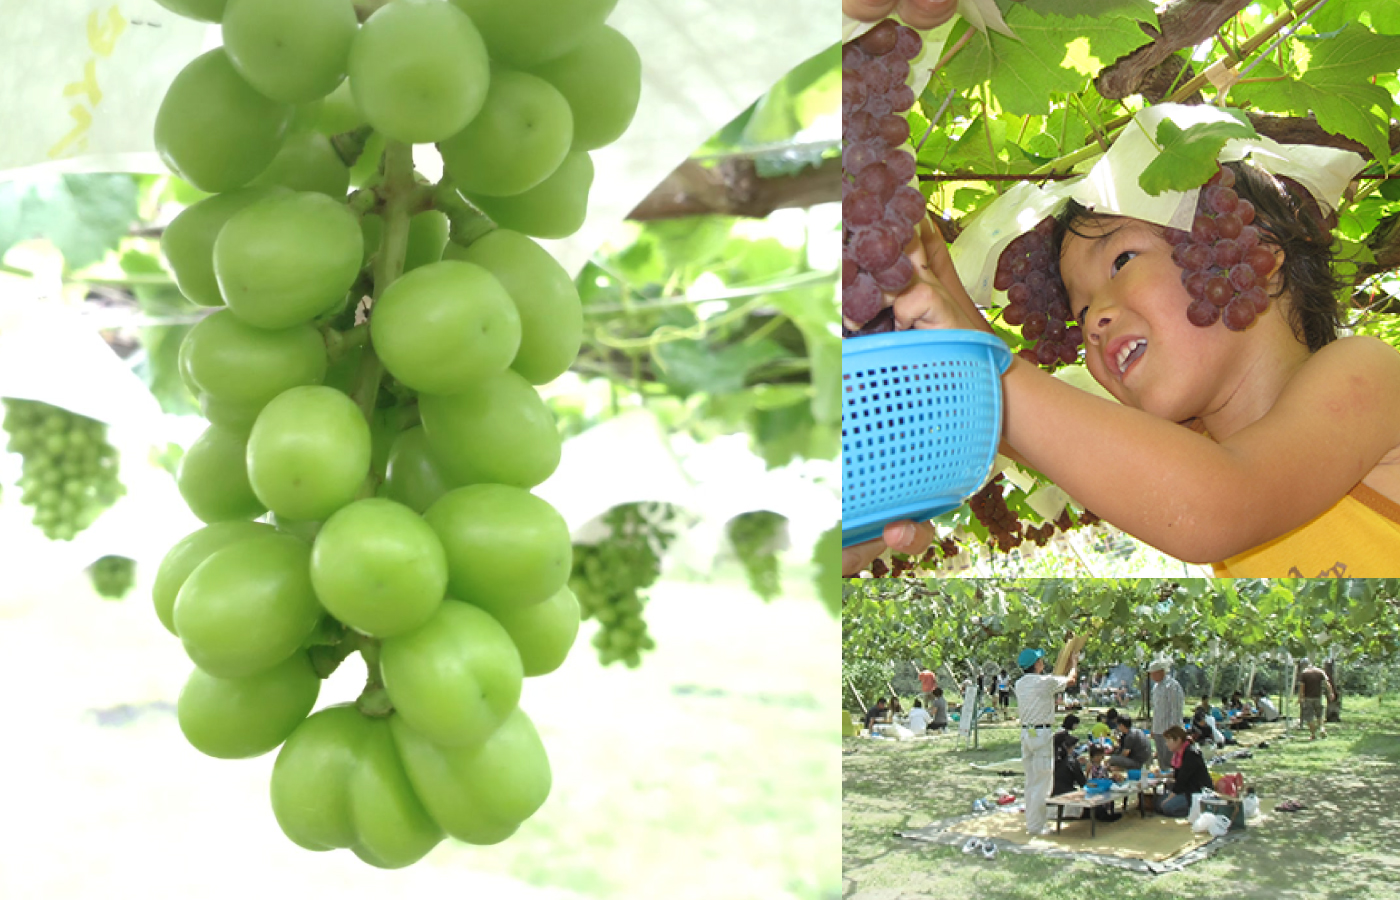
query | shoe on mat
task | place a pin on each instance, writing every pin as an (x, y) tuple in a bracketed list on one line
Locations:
[(989, 850), (973, 845)]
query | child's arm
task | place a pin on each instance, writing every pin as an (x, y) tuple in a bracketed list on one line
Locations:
[(1196, 499)]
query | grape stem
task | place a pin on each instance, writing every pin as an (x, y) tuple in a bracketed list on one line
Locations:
[(466, 224), (374, 699)]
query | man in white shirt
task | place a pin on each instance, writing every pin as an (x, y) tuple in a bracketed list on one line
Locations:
[(1268, 712), (919, 718), (1168, 707), (1035, 701)]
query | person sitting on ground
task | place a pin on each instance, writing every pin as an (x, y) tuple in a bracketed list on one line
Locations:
[(1134, 749), (1068, 773), (1100, 730), (895, 708), (1204, 730), (880, 712), (919, 718), (1189, 775), (1268, 712), (940, 711), (1071, 721)]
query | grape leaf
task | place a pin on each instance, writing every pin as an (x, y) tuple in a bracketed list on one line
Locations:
[(1188, 156), (691, 366), (1025, 73), (83, 215), (1385, 17), (1337, 88)]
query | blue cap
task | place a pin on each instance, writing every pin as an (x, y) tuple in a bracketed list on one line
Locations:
[(1028, 657)]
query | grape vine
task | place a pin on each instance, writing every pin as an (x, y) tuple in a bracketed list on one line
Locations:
[(609, 578)]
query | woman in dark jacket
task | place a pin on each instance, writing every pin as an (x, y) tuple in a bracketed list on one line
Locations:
[(1189, 773), (1069, 774)]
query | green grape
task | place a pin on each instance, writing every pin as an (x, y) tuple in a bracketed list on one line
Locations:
[(191, 550), (602, 80), (305, 117), (287, 259), (339, 113), (427, 237), (499, 431), (524, 33), (519, 137), (214, 130), (311, 778), (756, 538), (248, 606), (238, 718), (292, 52), (455, 679), (392, 828), (413, 477), (544, 632), (213, 477), (478, 794), (309, 452), (555, 208), (112, 576), (188, 241), (418, 71), (379, 568), (69, 471), (201, 10), (551, 316), (445, 327), (608, 578), (246, 367), (308, 162), (506, 548)]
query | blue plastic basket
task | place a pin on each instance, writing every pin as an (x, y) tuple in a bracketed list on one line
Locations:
[(920, 423)]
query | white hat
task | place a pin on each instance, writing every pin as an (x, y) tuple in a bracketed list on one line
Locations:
[(1161, 664)]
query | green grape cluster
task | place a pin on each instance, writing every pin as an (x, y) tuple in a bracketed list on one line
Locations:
[(370, 375), (69, 474), (113, 576), (756, 538), (609, 577)]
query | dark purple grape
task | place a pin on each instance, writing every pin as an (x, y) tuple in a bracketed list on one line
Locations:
[(853, 59), (1045, 228), (894, 130), (1203, 230), (854, 94), (1035, 326), (1218, 290), (1227, 253), (1229, 226), (1198, 257), (901, 165), (897, 277), (876, 248), (1014, 313), (1004, 279), (861, 208), (1195, 283), (1202, 313), (901, 98), (877, 180), (909, 45), (1058, 308), (1175, 236), (1248, 239), (1222, 199), (1035, 279), (1256, 296), (859, 126), (1239, 315), (1225, 177), (1260, 260), (881, 39), (879, 105), (1069, 353), (879, 79), (1245, 210), (856, 155), (861, 301), (1074, 337), (1242, 277), (907, 205), (1046, 353), (1018, 293)]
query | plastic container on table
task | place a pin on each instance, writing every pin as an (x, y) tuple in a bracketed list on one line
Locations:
[(920, 423)]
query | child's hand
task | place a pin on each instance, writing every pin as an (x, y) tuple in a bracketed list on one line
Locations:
[(920, 14), (936, 299)]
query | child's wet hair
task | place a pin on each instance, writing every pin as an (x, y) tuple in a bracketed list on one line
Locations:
[(1287, 217)]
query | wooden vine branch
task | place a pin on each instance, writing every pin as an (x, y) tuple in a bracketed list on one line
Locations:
[(1305, 130), (734, 188), (1185, 23)]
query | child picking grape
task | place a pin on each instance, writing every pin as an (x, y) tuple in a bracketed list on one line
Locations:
[(1289, 461)]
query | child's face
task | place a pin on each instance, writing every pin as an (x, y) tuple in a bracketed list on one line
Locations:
[(1127, 293)]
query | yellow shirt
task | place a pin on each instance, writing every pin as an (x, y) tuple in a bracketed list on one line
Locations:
[(1357, 538)]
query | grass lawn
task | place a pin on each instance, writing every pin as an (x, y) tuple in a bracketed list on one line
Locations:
[(1342, 845)]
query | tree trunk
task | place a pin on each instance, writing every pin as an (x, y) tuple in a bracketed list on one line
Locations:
[(1334, 705)]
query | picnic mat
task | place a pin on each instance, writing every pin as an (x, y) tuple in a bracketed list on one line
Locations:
[(1155, 844)]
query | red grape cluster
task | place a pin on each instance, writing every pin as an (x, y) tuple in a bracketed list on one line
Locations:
[(1002, 524), (1029, 271), (880, 210), (1224, 268)]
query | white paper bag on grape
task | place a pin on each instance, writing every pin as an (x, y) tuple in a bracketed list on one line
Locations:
[(80, 82)]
